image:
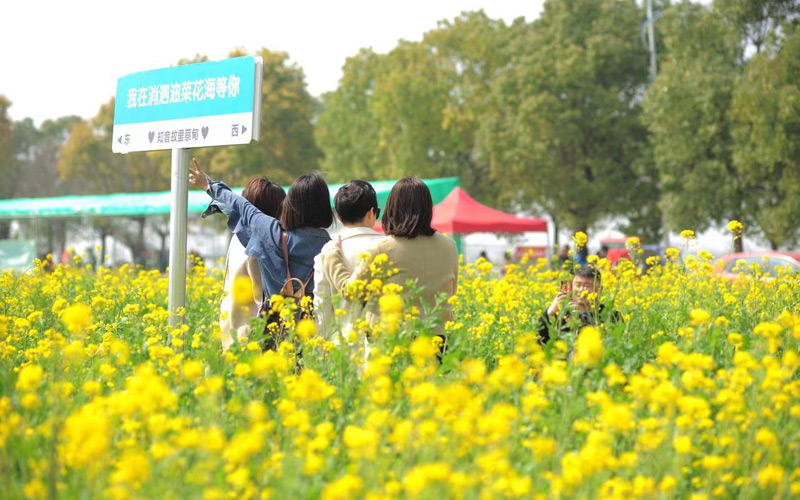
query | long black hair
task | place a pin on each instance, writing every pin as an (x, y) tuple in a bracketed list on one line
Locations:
[(308, 203)]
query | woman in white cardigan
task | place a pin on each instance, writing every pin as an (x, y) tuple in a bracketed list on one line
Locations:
[(235, 319)]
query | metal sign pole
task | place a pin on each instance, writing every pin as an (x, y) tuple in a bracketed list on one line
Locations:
[(190, 106), (178, 215)]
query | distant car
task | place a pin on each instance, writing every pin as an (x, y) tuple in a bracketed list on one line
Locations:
[(769, 262)]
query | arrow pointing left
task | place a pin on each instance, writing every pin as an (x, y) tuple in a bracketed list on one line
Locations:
[(119, 140)]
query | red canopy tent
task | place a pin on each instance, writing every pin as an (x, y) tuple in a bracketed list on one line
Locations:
[(459, 213)]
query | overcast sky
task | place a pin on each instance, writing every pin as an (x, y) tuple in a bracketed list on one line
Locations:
[(63, 57)]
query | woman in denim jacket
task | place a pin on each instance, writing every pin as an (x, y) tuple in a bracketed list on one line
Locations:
[(305, 214)]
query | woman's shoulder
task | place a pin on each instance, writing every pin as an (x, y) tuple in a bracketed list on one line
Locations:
[(436, 238), (311, 233), (444, 239)]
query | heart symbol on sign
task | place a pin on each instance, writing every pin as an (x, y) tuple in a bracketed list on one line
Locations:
[(151, 135), (204, 130)]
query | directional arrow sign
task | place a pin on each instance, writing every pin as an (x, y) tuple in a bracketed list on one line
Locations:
[(188, 106)]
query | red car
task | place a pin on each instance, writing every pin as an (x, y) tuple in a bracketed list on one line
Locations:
[(770, 262)]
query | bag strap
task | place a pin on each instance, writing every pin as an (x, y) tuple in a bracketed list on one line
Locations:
[(311, 277), (289, 279), (285, 246)]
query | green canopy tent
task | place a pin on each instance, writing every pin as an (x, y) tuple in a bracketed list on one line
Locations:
[(143, 204)]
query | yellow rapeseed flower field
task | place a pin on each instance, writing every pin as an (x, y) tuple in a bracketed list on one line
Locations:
[(695, 394)]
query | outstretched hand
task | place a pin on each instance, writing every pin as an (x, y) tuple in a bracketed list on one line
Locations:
[(197, 178)]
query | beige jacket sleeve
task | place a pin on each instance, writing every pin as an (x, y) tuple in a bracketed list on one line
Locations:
[(335, 269)]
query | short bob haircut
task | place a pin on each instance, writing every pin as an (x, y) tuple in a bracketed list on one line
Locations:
[(354, 200), (308, 204), (409, 209), (265, 195)]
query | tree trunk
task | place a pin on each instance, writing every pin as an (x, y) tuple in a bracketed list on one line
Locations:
[(103, 234), (50, 242), (61, 234), (556, 243), (143, 251), (738, 244)]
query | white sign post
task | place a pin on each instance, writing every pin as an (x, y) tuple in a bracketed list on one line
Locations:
[(191, 106)]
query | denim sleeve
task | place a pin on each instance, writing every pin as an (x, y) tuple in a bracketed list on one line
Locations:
[(245, 220)]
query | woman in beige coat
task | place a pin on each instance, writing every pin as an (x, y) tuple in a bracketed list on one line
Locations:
[(235, 319), (415, 249)]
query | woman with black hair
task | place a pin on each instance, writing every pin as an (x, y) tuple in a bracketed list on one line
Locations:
[(305, 215), (414, 248), (235, 315)]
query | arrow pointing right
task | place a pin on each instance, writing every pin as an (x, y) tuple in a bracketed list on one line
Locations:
[(244, 129)]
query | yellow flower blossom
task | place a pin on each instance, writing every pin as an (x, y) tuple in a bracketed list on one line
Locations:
[(589, 346), (77, 317), (580, 239), (30, 377), (736, 228)]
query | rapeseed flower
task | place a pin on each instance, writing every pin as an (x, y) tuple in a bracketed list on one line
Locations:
[(589, 346), (77, 317), (129, 406), (771, 475), (736, 228), (344, 488), (391, 304), (29, 378), (242, 291), (699, 317)]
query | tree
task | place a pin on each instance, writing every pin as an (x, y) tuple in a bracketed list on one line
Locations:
[(395, 105), (688, 111), (347, 130), (88, 164), (408, 103), (565, 132), (766, 131), (287, 147), (7, 167), (756, 20), (473, 49), (417, 109), (36, 155)]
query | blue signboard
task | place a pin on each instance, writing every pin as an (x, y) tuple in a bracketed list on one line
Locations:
[(204, 104)]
